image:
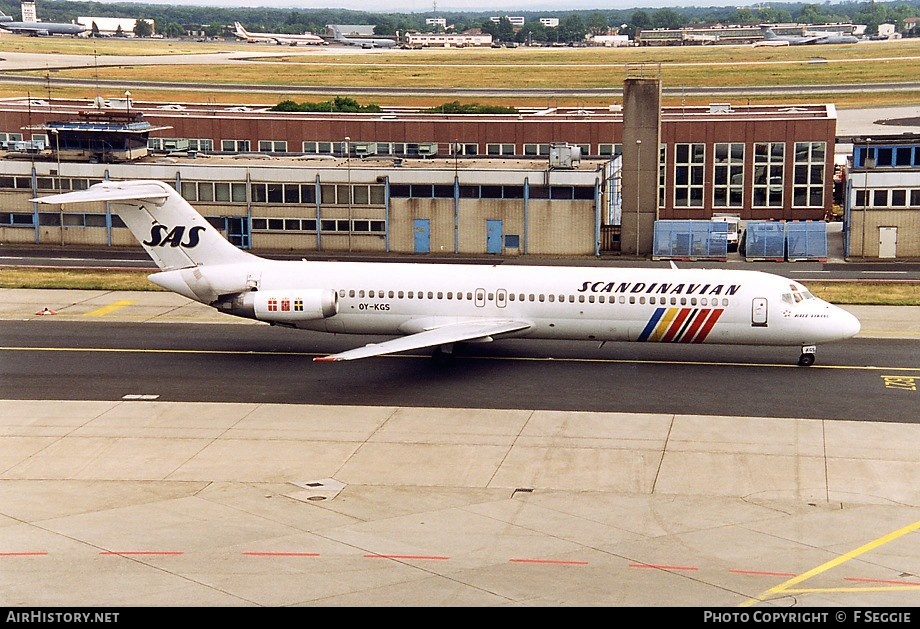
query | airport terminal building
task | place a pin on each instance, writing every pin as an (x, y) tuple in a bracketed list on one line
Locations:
[(551, 181)]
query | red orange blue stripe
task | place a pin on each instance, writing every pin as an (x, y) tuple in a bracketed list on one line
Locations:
[(680, 325)]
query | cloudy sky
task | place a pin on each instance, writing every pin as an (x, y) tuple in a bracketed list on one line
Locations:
[(427, 6)]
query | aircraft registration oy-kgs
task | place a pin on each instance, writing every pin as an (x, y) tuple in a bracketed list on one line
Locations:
[(436, 306)]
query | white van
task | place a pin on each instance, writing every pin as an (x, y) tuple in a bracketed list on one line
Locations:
[(734, 228)]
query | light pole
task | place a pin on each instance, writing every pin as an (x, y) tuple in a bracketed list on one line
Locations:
[(868, 162), (638, 170), (348, 174), (57, 152)]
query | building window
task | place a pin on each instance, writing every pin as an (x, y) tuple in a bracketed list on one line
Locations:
[(6, 138), (461, 148), (234, 146), (728, 174), (609, 150), (536, 150), (272, 146), (499, 149), (768, 174), (200, 144), (662, 173), (689, 165), (808, 174), (17, 219)]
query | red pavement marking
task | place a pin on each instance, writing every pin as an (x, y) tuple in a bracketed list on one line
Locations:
[(563, 562), (431, 557), (37, 553), (141, 552), (763, 573), (254, 553), (885, 581), (661, 566)]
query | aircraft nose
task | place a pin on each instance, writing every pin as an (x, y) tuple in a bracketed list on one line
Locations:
[(849, 325)]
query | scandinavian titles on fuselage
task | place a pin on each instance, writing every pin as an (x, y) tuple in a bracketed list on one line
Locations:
[(659, 288)]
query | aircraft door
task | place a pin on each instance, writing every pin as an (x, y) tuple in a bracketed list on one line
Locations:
[(501, 298), (480, 297), (759, 312)]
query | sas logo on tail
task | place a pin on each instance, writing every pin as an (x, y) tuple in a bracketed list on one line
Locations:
[(161, 235)]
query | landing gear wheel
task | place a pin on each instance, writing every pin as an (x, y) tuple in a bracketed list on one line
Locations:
[(806, 360), (443, 355)]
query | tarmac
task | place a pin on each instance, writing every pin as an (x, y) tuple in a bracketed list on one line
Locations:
[(132, 503)]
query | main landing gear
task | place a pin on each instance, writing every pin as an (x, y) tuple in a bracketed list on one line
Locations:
[(443, 354), (807, 359)]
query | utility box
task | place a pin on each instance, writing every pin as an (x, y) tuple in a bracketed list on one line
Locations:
[(564, 156), (363, 149)]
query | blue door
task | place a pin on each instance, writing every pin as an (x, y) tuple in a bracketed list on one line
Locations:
[(493, 236), (422, 235), (237, 231)]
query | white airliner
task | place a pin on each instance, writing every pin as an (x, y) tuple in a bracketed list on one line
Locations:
[(436, 306), (363, 42), (277, 38)]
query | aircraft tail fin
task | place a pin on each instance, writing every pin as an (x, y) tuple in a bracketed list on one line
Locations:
[(172, 232), (239, 30)]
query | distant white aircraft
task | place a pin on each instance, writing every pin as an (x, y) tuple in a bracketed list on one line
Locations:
[(363, 42), (437, 306), (277, 38), (772, 39), (40, 29)]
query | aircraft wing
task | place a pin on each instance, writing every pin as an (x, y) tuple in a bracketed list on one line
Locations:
[(480, 331)]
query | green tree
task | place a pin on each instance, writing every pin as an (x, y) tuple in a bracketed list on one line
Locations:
[(641, 19), (667, 18), (173, 29), (530, 32), (505, 30), (597, 24), (811, 14), (143, 28), (572, 28)]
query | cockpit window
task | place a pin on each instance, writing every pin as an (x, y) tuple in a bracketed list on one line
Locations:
[(797, 294)]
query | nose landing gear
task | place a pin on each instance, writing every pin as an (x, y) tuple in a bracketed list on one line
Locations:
[(807, 359)]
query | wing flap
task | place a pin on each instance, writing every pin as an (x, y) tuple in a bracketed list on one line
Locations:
[(442, 335)]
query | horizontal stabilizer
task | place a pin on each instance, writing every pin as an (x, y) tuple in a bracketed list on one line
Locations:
[(111, 191), (443, 335)]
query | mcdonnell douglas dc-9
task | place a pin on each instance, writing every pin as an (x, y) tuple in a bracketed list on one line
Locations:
[(436, 306)]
